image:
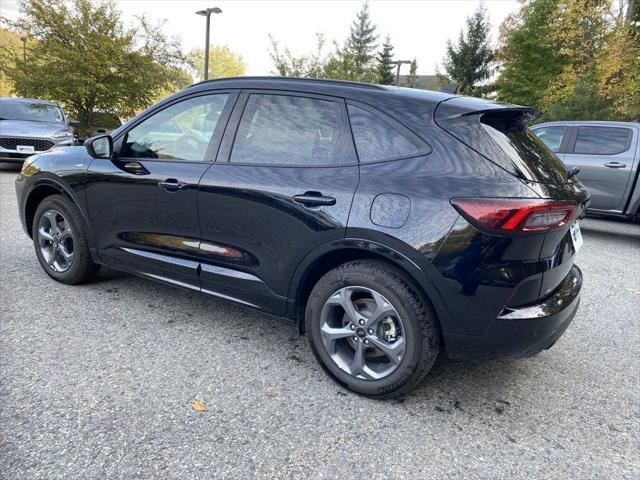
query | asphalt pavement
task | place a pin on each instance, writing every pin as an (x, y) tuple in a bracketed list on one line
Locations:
[(105, 381)]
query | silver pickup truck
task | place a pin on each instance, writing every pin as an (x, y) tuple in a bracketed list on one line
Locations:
[(607, 154)]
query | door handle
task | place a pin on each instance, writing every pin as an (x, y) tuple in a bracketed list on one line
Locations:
[(615, 165), (314, 199), (172, 185)]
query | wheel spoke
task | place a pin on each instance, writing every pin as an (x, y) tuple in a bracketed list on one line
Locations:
[(51, 257), (343, 298), (44, 235), (68, 256), (357, 365), (52, 218), (383, 309), (394, 351), (66, 233), (331, 334)]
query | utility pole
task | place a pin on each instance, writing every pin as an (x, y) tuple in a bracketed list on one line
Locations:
[(398, 63), (207, 13), (24, 48)]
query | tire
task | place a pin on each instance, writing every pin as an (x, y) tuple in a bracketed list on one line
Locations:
[(69, 232), (412, 320)]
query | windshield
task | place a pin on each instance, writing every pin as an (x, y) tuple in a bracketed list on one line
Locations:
[(30, 111)]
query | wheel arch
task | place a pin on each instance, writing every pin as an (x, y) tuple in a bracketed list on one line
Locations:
[(44, 188), (330, 255)]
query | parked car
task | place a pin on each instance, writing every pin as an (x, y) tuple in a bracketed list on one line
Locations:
[(29, 126), (607, 155), (390, 224)]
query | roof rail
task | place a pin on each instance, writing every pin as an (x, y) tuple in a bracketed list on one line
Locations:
[(346, 83)]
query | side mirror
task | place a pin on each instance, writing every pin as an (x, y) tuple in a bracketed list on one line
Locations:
[(100, 146)]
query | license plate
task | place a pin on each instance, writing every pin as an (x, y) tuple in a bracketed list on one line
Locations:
[(25, 148), (576, 236)]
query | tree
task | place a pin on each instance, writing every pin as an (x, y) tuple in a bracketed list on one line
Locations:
[(469, 61), (222, 62), (412, 78), (528, 55), (310, 65), (10, 49), (361, 46), (572, 59), (85, 59), (385, 67)]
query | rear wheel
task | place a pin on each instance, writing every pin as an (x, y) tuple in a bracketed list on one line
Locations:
[(60, 241), (371, 328)]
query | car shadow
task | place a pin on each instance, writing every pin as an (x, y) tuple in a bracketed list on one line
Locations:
[(447, 388)]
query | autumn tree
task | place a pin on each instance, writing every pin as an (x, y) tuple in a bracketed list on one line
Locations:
[(223, 62), (469, 61), (287, 64), (83, 57)]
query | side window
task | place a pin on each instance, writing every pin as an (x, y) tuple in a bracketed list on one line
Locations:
[(179, 132), (289, 130), (377, 140), (602, 140), (551, 136)]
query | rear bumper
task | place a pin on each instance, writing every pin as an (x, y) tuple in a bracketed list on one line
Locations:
[(523, 332)]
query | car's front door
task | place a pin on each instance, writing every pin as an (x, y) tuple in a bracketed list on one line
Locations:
[(605, 157), (142, 203), (282, 185)]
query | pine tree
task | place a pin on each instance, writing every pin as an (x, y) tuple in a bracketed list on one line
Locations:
[(361, 46), (412, 78), (469, 62), (385, 67)]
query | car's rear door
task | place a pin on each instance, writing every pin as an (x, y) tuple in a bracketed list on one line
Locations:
[(142, 203), (282, 185), (605, 157)]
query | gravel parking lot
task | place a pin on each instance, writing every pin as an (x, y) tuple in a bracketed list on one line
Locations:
[(97, 381)]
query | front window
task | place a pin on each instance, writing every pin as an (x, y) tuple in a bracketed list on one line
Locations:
[(179, 132), (30, 111)]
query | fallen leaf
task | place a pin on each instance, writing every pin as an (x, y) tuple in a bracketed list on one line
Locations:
[(199, 406), (272, 393)]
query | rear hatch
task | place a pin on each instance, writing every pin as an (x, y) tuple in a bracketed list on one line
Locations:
[(500, 134)]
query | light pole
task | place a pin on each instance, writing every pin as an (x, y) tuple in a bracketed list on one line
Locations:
[(207, 13), (24, 48), (398, 63)]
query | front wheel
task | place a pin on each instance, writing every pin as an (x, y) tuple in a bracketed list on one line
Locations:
[(60, 241), (371, 329)]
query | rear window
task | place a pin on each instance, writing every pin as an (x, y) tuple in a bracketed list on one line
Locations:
[(531, 157), (602, 140), (377, 140)]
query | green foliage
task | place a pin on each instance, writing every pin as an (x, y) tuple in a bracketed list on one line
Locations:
[(223, 62), (529, 56), (311, 65), (572, 59), (469, 61), (411, 78), (84, 58), (361, 46), (385, 67), (355, 60)]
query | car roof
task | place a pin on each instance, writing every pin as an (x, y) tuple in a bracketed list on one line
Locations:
[(28, 100), (609, 123), (338, 88)]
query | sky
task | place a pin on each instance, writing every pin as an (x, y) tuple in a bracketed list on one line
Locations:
[(418, 28)]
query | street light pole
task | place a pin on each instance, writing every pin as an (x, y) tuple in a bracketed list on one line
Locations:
[(398, 63), (24, 48), (207, 13)]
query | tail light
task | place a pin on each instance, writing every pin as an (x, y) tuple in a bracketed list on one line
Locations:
[(513, 215)]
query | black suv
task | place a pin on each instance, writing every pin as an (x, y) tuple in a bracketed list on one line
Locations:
[(390, 224)]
